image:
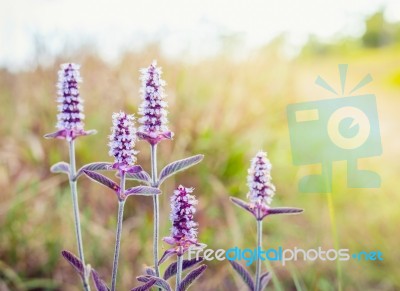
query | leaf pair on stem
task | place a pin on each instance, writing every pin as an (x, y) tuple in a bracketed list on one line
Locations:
[(151, 280)]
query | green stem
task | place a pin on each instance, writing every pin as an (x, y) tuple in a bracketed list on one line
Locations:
[(156, 206), (121, 204), (74, 194), (178, 271), (258, 263), (335, 237)]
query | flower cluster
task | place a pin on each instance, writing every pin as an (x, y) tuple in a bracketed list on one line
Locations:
[(183, 231), (122, 141), (261, 190), (260, 194), (70, 109), (153, 107), (153, 129), (70, 106), (259, 180)]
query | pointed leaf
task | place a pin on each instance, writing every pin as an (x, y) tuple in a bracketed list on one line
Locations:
[(243, 274), (189, 279), (186, 264), (134, 169), (178, 166), (159, 282), (142, 190), (284, 210), (74, 261), (150, 271), (264, 280), (141, 176), (99, 166), (57, 134), (166, 255), (144, 287), (241, 203), (143, 278), (98, 282), (102, 180), (60, 167)]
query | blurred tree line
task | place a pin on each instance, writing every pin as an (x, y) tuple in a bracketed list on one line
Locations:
[(378, 33)]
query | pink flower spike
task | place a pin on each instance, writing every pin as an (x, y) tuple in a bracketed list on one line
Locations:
[(122, 143), (70, 105), (184, 228), (261, 190), (259, 180), (153, 110)]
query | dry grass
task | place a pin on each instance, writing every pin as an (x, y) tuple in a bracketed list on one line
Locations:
[(226, 110)]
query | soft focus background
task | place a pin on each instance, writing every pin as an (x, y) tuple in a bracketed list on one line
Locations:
[(231, 71)]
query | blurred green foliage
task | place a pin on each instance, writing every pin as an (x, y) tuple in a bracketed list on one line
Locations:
[(378, 33)]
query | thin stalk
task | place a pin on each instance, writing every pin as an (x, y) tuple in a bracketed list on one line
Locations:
[(156, 210), (74, 195), (178, 271), (121, 204), (335, 237), (258, 262)]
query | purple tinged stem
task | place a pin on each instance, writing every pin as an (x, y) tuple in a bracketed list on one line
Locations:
[(74, 194), (156, 207), (121, 204), (258, 262), (178, 271)]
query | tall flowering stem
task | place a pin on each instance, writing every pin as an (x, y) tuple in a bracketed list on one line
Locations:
[(74, 194), (153, 129), (122, 143), (70, 126), (121, 204), (156, 208), (261, 192)]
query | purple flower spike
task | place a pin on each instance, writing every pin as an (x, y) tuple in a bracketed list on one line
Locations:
[(184, 228), (122, 143), (261, 190), (70, 105), (154, 120), (259, 180)]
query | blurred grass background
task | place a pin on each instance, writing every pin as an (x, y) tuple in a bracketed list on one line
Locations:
[(226, 109)]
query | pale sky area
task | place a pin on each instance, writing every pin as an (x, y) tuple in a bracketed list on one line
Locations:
[(191, 29)]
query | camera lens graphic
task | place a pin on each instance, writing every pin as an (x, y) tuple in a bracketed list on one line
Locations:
[(348, 127)]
